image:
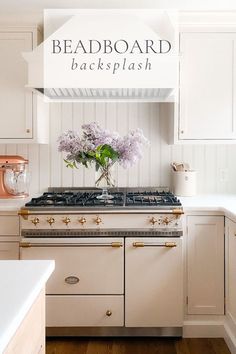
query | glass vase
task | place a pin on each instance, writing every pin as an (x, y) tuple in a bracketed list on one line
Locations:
[(104, 179)]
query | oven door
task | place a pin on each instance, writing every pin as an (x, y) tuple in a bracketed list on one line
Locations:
[(154, 282), (82, 265)]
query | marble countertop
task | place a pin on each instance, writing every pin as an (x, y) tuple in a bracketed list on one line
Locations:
[(21, 283)]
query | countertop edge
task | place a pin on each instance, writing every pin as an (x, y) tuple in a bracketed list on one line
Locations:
[(9, 333)]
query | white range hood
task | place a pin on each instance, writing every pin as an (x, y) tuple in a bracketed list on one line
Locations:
[(106, 55)]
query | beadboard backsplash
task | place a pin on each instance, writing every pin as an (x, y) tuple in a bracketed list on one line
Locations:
[(216, 164)]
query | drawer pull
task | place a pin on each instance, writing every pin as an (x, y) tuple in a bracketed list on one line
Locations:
[(71, 280), (108, 313)]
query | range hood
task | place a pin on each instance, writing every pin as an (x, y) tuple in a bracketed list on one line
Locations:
[(106, 55)]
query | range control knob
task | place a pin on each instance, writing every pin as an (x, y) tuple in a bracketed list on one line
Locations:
[(66, 221), (35, 221), (98, 220), (153, 220), (166, 220), (51, 221), (82, 220)]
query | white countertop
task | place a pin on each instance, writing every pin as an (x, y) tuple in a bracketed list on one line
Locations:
[(12, 205), (224, 203), (21, 283)]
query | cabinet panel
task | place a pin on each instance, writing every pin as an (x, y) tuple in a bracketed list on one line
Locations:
[(207, 86), (70, 311), (9, 250), (205, 258), (16, 117), (231, 269), (9, 225), (154, 283), (30, 336)]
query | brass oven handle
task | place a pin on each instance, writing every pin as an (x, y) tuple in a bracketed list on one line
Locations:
[(112, 244), (72, 280), (166, 244)]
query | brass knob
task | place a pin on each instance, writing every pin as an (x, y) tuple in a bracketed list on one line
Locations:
[(82, 221), (66, 221), (108, 313), (153, 221), (51, 221), (35, 221), (98, 220), (166, 221)]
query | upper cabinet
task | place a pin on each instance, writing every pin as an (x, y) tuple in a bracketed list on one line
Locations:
[(206, 111), (24, 116)]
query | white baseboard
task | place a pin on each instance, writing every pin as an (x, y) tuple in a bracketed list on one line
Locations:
[(230, 333), (203, 329)]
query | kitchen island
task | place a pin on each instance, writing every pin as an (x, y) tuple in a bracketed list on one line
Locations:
[(22, 305)]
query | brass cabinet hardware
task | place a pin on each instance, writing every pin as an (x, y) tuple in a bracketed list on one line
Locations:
[(82, 221), (35, 221), (138, 244), (25, 244), (108, 313), (170, 244), (24, 213), (27, 130), (66, 221), (153, 221), (177, 211), (116, 244), (98, 220), (51, 221), (166, 220), (72, 280)]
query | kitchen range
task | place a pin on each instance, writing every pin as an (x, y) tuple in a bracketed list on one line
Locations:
[(119, 261)]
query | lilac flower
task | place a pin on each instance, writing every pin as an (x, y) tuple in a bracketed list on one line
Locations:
[(126, 150)]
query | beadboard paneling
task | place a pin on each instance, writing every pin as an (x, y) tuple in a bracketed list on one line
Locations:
[(48, 169)]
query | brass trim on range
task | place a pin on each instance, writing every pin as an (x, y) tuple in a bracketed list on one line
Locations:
[(177, 211), (116, 244), (152, 244), (112, 244), (24, 213), (25, 244)]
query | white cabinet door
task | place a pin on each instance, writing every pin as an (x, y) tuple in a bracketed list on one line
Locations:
[(207, 81), (153, 283), (9, 250), (16, 103), (231, 270), (205, 264)]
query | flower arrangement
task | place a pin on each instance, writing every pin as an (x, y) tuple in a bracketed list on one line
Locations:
[(101, 147)]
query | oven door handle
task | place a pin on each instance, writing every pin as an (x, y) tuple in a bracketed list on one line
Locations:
[(84, 244), (154, 244)]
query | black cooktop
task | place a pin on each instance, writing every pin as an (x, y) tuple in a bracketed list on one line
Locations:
[(128, 198)]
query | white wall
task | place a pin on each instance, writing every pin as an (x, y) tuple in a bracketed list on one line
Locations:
[(48, 169)]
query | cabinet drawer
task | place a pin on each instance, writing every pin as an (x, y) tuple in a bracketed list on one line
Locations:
[(83, 311), (88, 267), (9, 250), (9, 225)]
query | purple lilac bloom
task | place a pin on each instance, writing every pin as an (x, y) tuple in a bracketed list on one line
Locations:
[(128, 147)]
